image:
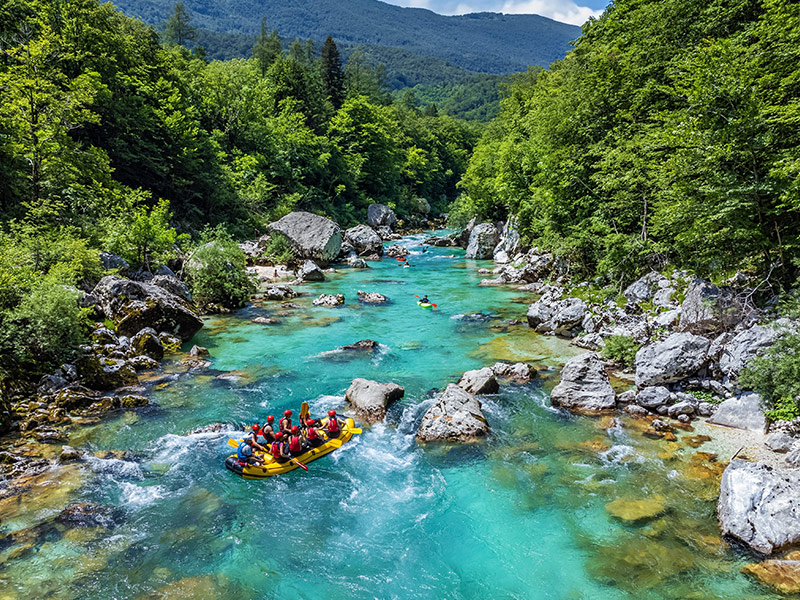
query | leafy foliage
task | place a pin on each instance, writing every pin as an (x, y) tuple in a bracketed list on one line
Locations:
[(144, 236), (621, 349), (217, 271), (776, 376)]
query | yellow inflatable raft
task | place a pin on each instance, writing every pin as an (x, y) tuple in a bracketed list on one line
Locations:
[(272, 467)]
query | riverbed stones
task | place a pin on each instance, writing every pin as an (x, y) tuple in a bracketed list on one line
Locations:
[(670, 361), (781, 575), (330, 300), (455, 417), (653, 397), (380, 215), (584, 386), (482, 241), (279, 291), (636, 510), (371, 297), (310, 236), (134, 306), (708, 308), (68, 454), (370, 399), (742, 412), (479, 381), (760, 506), (364, 240), (518, 372)]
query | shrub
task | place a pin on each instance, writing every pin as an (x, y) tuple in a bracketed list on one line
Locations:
[(776, 377), (217, 271), (142, 236), (278, 251), (621, 349)]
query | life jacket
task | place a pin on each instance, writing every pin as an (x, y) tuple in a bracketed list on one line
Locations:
[(241, 454), (275, 449), (333, 424), (294, 444), (285, 423), (311, 433), (266, 432)]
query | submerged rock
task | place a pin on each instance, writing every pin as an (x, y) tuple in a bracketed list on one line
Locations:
[(635, 511), (83, 514), (455, 417), (311, 236), (781, 575), (519, 372), (760, 506), (279, 292), (371, 297), (584, 385), (370, 399), (479, 381), (367, 345)]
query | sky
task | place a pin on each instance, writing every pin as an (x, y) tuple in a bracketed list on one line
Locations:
[(575, 12)]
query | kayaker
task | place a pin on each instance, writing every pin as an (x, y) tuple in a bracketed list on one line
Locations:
[(279, 449), (285, 424), (333, 425), (245, 454), (425, 299), (296, 442), (312, 435)]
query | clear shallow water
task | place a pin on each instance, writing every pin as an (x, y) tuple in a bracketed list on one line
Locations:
[(521, 515)]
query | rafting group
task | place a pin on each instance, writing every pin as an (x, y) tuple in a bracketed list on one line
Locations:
[(271, 449)]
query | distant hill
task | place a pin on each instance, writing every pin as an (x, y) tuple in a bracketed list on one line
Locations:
[(480, 42)]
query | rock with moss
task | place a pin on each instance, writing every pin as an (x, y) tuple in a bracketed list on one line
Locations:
[(147, 343), (133, 401), (101, 373), (75, 397), (134, 305)]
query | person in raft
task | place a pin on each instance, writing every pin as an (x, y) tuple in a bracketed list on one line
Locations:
[(267, 431), (246, 455), (296, 446), (279, 450), (313, 438), (285, 424), (333, 428)]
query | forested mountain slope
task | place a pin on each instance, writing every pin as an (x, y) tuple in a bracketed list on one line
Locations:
[(482, 42)]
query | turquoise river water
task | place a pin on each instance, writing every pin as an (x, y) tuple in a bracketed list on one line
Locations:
[(520, 515)]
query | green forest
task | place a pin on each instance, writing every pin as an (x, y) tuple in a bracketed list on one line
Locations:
[(115, 138), (668, 137)]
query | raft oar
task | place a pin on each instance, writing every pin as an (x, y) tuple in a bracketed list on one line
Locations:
[(432, 304), (235, 444)]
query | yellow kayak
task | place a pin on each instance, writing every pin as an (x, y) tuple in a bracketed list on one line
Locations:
[(272, 467)]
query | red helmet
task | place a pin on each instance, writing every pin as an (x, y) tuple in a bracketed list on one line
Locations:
[(278, 435), (310, 422), (331, 413), (295, 429), (256, 428), (287, 413), (270, 419)]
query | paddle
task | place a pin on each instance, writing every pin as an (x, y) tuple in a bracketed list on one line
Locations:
[(235, 444), (355, 430), (303, 412), (432, 304)]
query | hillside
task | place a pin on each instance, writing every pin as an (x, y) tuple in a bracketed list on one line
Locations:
[(481, 42)]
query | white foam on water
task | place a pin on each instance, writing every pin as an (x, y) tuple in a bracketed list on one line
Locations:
[(322, 404), (139, 496), (619, 453), (115, 466)]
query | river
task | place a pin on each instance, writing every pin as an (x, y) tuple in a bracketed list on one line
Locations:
[(521, 515)]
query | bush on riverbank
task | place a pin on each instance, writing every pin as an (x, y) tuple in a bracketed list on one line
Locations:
[(776, 376), (217, 273)]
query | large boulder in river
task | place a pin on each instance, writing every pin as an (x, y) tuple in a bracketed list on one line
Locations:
[(584, 385), (482, 241), (456, 417), (364, 240), (310, 271), (147, 343), (310, 236), (760, 506), (380, 215), (370, 399), (479, 381), (670, 361), (134, 305), (708, 308), (517, 372), (743, 412)]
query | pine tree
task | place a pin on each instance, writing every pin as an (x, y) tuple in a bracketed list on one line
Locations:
[(268, 47), (177, 29), (332, 72)]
